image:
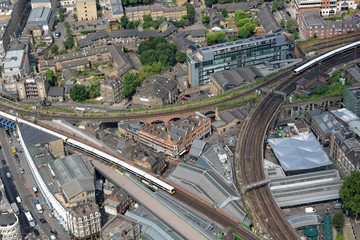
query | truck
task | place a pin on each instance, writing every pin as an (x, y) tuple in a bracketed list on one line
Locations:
[(310, 210), (57, 34), (15, 208), (13, 149), (38, 206)]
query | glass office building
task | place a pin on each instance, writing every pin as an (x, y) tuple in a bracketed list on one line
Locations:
[(226, 56), (352, 99)]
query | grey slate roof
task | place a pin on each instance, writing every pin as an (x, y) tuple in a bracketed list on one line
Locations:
[(197, 148), (326, 122), (33, 136), (156, 86), (74, 63), (56, 92), (232, 7), (312, 19), (39, 16), (197, 33), (354, 73), (267, 19), (230, 115), (311, 76), (7, 220), (183, 43)]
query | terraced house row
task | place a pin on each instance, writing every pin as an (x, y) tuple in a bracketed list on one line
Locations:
[(173, 13)]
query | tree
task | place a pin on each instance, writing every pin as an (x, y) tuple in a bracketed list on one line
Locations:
[(75, 16), (277, 4), (61, 14), (232, 39), (292, 26), (131, 81), (190, 12), (54, 49), (148, 57), (230, 230), (130, 25), (180, 56), (250, 27), (210, 38), (220, 37), (69, 42), (350, 192), (205, 19), (124, 21), (243, 32), (50, 77), (224, 12), (358, 6), (243, 21), (240, 14), (78, 93), (210, 2), (282, 23), (338, 221)]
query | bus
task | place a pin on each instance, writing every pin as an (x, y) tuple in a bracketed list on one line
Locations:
[(30, 219)]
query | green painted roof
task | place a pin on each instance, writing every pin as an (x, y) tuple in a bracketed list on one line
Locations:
[(311, 232), (327, 228)]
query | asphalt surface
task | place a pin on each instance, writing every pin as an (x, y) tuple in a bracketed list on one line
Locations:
[(21, 185)]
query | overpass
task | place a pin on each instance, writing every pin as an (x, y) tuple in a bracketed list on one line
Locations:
[(7, 123)]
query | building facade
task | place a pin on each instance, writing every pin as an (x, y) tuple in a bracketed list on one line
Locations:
[(323, 7), (121, 227), (84, 222), (86, 10), (111, 89), (227, 56), (32, 88), (16, 63), (352, 99), (170, 13)]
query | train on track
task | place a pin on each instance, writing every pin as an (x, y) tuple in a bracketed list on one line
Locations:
[(100, 154), (325, 56)]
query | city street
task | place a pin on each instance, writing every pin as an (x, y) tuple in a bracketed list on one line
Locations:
[(21, 185)]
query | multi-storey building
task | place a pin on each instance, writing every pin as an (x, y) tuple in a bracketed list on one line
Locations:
[(40, 3), (323, 7), (84, 222), (117, 202), (111, 88), (32, 88), (171, 13), (86, 10), (69, 5), (311, 24), (9, 222), (121, 227), (352, 100), (345, 149), (173, 139), (16, 63), (226, 56)]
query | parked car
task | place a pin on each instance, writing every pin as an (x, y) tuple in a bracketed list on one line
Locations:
[(53, 232), (3, 162), (17, 158), (0, 147), (42, 220), (187, 96), (22, 171), (103, 23), (200, 92), (36, 232), (94, 25), (184, 99)]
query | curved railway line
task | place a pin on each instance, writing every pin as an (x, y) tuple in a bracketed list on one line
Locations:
[(251, 146)]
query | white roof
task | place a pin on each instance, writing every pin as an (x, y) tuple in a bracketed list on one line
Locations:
[(345, 115), (299, 152), (13, 58)]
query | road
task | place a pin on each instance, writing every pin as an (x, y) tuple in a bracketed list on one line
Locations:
[(21, 185)]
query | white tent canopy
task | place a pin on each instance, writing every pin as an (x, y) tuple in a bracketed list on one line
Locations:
[(299, 152)]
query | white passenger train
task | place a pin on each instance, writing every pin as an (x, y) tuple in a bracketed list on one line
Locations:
[(100, 154), (325, 56)]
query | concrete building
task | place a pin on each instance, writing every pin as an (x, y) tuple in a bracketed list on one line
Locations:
[(41, 3), (117, 10), (40, 16), (156, 91), (352, 99), (9, 222), (173, 139), (170, 13), (117, 202), (55, 94), (86, 10), (35, 87), (121, 227), (345, 149), (69, 5), (323, 7), (228, 56), (16, 63), (322, 124), (232, 79), (84, 222), (311, 24), (111, 88)]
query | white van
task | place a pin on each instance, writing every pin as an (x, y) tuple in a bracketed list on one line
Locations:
[(310, 210), (18, 199), (8, 174)]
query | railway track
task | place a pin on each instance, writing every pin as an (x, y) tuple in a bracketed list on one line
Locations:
[(251, 146)]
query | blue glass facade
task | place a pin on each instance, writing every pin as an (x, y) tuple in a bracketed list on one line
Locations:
[(227, 56)]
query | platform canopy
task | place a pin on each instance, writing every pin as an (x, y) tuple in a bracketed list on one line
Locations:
[(299, 152)]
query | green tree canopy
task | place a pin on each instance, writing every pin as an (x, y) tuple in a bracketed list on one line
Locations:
[(54, 49), (220, 37), (292, 26), (124, 21), (50, 77), (205, 19), (180, 56), (210, 2), (338, 221), (240, 14), (78, 93), (250, 27), (131, 81), (243, 32), (190, 12), (210, 38), (243, 21), (224, 12), (350, 192), (277, 4), (282, 23)]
